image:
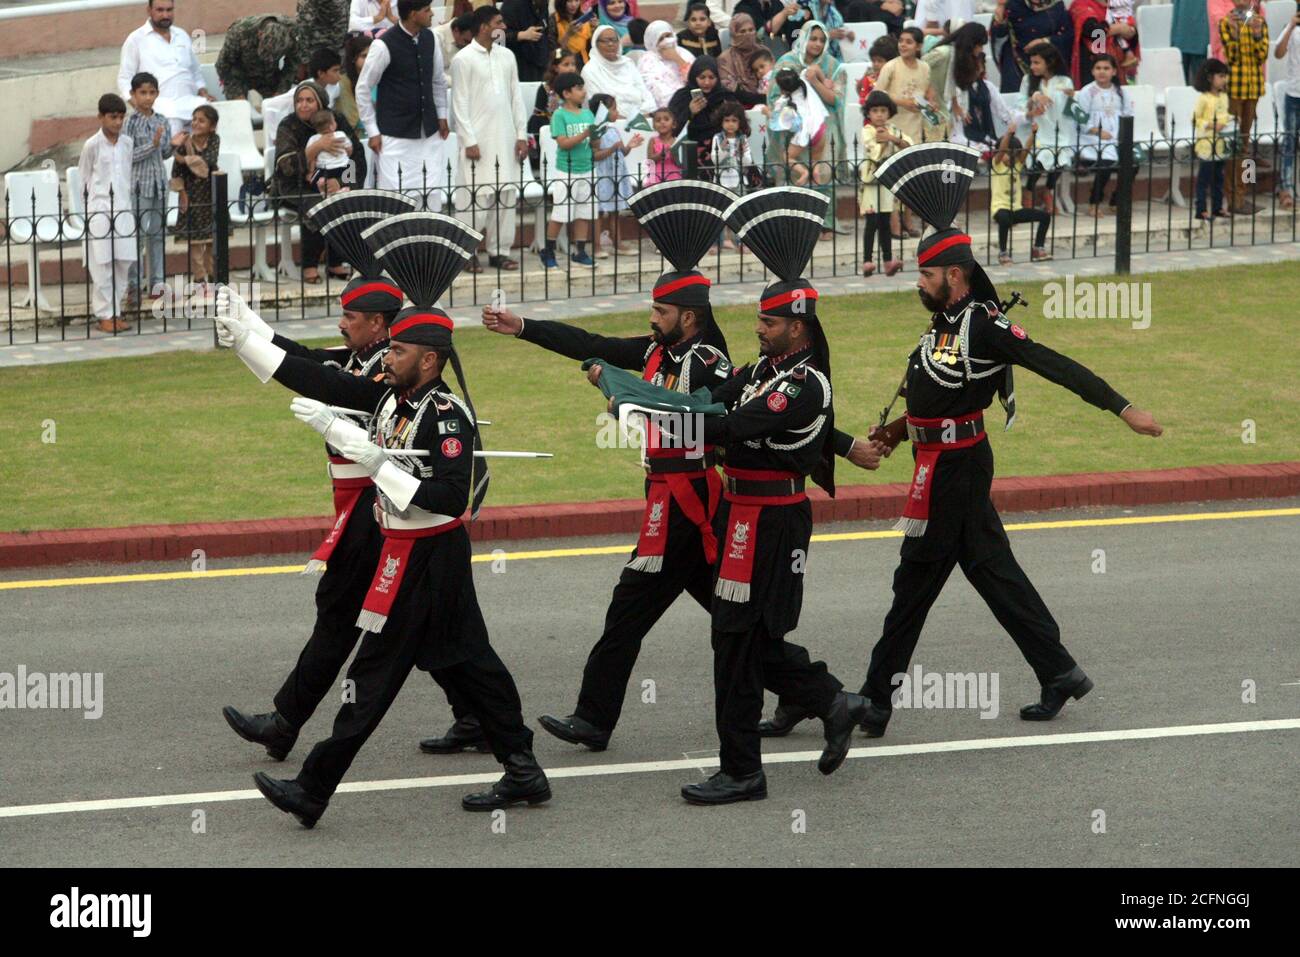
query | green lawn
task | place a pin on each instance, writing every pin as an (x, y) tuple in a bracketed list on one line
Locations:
[(192, 436)]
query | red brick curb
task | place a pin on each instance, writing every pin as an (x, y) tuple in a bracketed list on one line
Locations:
[(143, 543)]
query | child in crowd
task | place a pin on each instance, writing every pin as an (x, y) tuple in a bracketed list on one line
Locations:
[(1244, 35), (106, 167), (1121, 11), (548, 101), (1044, 95), (663, 164), (328, 168), (1004, 198), (1104, 101), (882, 51), (571, 125), (1288, 105), (980, 112), (614, 13), (152, 142), (196, 160), (729, 153), (881, 139), (906, 79), (700, 38), (800, 112), (613, 182), (1210, 119), (762, 62)]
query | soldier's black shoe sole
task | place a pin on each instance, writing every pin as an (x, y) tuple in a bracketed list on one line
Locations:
[(234, 717), (541, 797), (693, 797), (1038, 711), (562, 731)]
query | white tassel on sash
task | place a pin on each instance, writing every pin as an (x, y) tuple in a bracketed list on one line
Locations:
[(314, 567), (911, 527), (371, 621), (647, 563), (728, 590)]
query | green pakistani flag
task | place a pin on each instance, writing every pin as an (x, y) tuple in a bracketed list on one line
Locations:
[(625, 387)]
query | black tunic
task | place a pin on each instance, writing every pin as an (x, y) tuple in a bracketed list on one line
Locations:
[(961, 511), (786, 435)]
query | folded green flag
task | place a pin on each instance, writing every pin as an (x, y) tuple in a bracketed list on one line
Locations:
[(625, 387)]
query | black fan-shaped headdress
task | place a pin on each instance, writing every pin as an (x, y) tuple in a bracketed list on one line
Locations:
[(341, 219), (424, 253), (683, 219), (931, 178), (781, 226)]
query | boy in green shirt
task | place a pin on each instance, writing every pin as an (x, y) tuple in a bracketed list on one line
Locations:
[(572, 126)]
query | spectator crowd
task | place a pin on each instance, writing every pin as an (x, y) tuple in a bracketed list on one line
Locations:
[(371, 92)]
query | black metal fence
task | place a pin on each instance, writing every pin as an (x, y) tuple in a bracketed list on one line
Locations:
[(257, 238)]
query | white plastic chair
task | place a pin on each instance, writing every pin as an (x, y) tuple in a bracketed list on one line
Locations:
[(1268, 120), (724, 38), (1155, 24), (529, 93), (236, 132), (758, 138), (211, 81), (1160, 68), (864, 34), (851, 120), (35, 219)]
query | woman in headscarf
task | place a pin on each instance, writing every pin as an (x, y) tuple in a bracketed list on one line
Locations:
[(615, 14), (737, 75), (293, 159), (811, 60), (1017, 24), (697, 113), (610, 71), (665, 63)]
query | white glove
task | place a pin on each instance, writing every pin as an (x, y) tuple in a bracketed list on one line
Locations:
[(232, 331), (364, 452), (313, 413), (231, 305)]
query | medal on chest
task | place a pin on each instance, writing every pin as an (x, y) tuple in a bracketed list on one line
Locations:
[(947, 349)]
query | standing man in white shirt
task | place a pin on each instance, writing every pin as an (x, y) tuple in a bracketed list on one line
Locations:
[(165, 50), (492, 127), (404, 66), (1288, 50)]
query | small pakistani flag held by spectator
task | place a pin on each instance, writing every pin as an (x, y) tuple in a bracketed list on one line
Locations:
[(1077, 113), (639, 122)]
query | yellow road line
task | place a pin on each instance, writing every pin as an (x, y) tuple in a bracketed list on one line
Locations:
[(622, 549)]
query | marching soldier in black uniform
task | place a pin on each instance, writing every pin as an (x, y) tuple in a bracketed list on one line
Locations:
[(420, 609), (778, 430), (965, 357), (348, 554)]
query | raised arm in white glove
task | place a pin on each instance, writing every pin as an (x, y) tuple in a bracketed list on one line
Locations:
[(241, 329), (232, 307)]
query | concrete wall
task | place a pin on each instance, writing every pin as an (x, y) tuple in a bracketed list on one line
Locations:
[(71, 32)]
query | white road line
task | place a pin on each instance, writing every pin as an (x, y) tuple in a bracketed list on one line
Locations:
[(642, 767)]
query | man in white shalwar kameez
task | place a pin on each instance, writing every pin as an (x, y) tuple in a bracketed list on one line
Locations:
[(492, 129), (105, 168), (409, 118)]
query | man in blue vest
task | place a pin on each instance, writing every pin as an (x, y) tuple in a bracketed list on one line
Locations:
[(402, 95)]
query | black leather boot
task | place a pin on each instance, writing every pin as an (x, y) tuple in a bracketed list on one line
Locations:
[(465, 735), (783, 720), (875, 720), (270, 730), (523, 782), (1073, 684), (724, 789), (847, 711), (290, 798), (575, 730)]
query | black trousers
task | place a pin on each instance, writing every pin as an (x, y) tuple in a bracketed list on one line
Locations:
[(1004, 587), (872, 224), (1007, 218), (639, 601), (482, 681), (339, 595), (744, 663)]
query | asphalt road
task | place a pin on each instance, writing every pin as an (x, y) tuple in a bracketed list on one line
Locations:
[(1184, 614)]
